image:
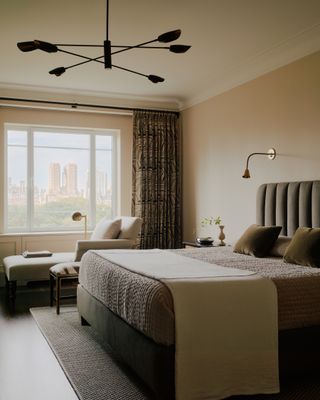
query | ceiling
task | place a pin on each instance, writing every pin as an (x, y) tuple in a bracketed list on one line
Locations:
[(232, 41)]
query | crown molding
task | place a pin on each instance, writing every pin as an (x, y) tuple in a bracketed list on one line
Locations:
[(79, 96), (283, 53)]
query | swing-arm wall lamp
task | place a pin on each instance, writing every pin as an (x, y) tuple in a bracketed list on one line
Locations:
[(271, 154)]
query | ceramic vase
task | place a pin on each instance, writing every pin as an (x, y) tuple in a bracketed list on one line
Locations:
[(222, 236)]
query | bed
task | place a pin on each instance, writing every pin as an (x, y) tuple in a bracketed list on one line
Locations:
[(143, 335)]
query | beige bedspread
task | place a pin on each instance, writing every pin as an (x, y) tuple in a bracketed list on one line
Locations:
[(226, 324), (146, 304)]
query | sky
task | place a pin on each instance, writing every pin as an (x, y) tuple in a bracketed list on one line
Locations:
[(63, 148)]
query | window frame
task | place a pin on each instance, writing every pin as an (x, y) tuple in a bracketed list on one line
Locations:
[(52, 129)]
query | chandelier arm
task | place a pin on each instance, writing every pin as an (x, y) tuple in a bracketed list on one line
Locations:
[(80, 63), (134, 47), (79, 45), (86, 58), (129, 70), (115, 46), (141, 47)]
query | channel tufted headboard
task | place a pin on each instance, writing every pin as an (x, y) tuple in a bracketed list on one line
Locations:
[(289, 204)]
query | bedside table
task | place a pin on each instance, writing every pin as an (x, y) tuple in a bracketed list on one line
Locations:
[(187, 244)]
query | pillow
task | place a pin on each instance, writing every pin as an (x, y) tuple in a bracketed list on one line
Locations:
[(257, 240), (280, 246), (107, 229), (304, 248), (130, 227)]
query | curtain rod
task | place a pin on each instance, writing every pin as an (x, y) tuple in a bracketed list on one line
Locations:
[(76, 105)]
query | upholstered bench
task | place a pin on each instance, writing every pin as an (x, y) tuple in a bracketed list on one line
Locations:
[(19, 268), (58, 273)]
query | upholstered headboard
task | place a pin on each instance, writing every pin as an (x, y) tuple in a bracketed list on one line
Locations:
[(289, 204)]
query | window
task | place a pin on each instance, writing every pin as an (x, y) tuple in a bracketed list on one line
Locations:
[(51, 172)]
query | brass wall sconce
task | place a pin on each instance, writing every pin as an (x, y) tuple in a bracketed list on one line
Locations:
[(77, 216), (271, 154)]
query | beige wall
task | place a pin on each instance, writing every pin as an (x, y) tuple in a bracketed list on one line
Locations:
[(280, 109)]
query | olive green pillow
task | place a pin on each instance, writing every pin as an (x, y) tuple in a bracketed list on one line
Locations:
[(304, 248), (280, 246), (257, 240)]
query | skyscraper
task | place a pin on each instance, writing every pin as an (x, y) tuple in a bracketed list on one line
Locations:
[(70, 172), (101, 185), (54, 178)]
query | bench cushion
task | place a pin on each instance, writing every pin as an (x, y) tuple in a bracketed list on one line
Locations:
[(66, 269), (33, 269)]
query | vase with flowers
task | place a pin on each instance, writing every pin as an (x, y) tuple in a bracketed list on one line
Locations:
[(209, 221)]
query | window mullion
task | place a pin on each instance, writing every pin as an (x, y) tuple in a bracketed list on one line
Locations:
[(6, 188), (114, 178), (92, 205), (30, 184)]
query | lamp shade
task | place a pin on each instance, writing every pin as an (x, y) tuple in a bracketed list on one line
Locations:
[(57, 71), (77, 216), (246, 173), (169, 36), (27, 46), (155, 78), (37, 45), (179, 48)]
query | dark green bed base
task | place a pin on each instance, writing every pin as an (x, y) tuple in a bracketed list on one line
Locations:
[(152, 362), (299, 349)]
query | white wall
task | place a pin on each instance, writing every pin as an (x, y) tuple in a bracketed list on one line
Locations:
[(280, 109)]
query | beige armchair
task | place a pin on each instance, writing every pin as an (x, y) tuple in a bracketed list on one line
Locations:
[(120, 233)]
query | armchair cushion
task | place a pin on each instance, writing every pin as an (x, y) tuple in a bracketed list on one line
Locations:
[(84, 245), (107, 229), (130, 227)]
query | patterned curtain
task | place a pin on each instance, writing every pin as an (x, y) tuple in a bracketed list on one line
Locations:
[(156, 178)]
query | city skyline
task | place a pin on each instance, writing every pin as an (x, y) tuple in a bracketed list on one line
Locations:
[(60, 148), (62, 183)]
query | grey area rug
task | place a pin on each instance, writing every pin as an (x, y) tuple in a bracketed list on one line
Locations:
[(93, 371), (96, 374)]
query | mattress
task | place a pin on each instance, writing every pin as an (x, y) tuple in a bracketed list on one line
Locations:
[(146, 304)]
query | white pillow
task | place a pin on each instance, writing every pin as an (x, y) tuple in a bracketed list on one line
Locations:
[(130, 227), (106, 229)]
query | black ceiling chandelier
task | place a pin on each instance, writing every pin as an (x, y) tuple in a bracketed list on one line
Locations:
[(108, 50)]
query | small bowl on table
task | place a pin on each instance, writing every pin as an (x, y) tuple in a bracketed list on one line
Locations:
[(205, 241)]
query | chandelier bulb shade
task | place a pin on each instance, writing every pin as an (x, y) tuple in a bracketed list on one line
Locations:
[(57, 71), (271, 154), (37, 45), (155, 78), (107, 46), (179, 48), (169, 36)]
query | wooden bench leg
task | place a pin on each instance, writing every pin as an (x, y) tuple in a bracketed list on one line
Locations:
[(12, 286), (51, 289), (58, 294)]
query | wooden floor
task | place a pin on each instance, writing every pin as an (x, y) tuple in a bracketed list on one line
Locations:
[(28, 368)]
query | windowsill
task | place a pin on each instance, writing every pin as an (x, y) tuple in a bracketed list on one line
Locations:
[(66, 233)]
